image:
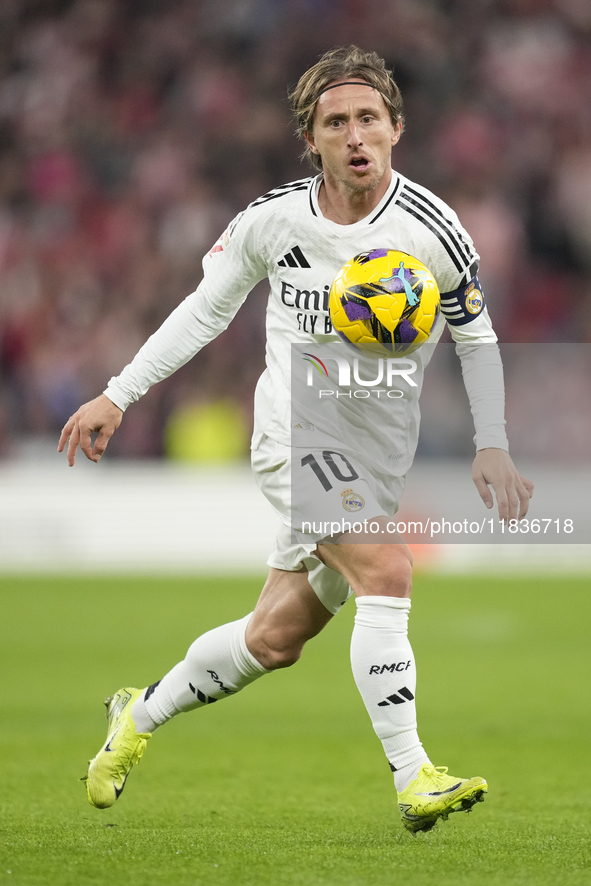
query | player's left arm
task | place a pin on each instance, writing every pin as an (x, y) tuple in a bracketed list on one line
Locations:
[(482, 370), (494, 467)]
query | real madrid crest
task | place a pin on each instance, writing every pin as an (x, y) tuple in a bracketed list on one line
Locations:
[(352, 501), (474, 299)]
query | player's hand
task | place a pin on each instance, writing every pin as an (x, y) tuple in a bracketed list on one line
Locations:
[(99, 416), (494, 467)]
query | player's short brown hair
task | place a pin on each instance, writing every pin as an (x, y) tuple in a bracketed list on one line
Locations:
[(344, 63)]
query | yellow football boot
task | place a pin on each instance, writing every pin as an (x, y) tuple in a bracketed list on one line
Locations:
[(108, 771), (434, 794)]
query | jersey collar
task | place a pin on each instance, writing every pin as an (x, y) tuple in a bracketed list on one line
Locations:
[(373, 216)]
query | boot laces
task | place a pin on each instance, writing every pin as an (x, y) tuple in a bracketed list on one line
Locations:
[(437, 773), (130, 752)]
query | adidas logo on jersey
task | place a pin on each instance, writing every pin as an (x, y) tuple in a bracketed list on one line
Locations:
[(295, 258)]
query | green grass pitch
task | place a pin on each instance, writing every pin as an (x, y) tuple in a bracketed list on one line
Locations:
[(286, 784)]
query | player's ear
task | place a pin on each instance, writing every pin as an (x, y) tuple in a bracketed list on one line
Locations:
[(397, 132), (309, 136)]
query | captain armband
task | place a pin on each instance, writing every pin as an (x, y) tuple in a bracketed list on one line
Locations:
[(463, 304)]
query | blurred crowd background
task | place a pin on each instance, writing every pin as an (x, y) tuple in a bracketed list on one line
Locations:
[(132, 132)]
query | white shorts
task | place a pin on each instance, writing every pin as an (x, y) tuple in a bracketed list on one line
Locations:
[(296, 483)]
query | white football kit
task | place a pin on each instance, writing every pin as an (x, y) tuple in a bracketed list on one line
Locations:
[(284, 236)]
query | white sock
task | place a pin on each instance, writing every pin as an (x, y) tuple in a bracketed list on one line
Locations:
[(217, 665), (384, 670)]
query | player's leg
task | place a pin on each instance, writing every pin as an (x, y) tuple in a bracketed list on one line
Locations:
[(382, 659), (218, 664), (288, 614), (384, 670), (226, 659)]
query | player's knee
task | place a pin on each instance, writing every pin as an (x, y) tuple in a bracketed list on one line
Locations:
[(274, 652), (389, 574), (282, 658)]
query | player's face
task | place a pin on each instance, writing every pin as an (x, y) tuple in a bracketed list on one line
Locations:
[(354, 135)]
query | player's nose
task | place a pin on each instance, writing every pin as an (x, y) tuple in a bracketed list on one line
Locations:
[(354, 135)]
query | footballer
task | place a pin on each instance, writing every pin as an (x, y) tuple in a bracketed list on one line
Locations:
[(350, 116)]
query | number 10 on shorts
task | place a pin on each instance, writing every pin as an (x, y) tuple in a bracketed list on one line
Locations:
[(328, 456)]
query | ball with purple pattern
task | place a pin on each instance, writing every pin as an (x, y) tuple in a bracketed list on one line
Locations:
[(407, 332), (384, 298), (355, 311)]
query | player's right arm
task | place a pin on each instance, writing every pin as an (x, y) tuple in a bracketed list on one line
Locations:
[(232, 268), (99, 416)]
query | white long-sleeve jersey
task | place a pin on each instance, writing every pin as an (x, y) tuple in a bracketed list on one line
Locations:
[(284, 236)]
